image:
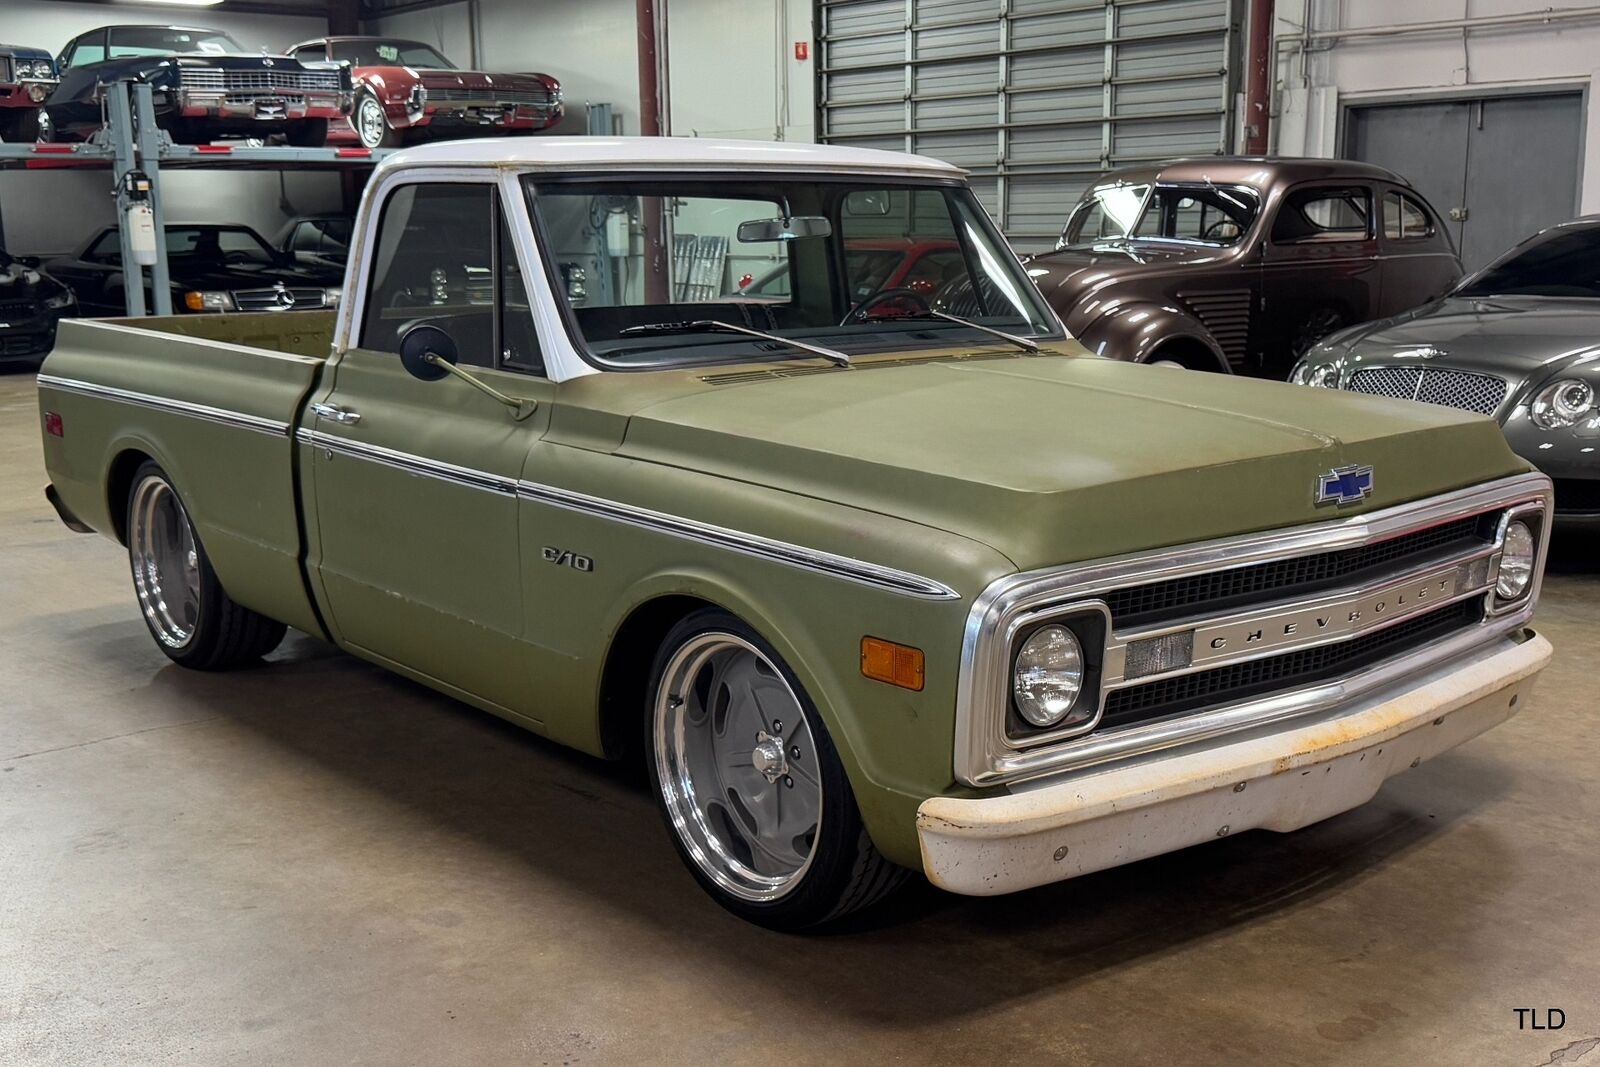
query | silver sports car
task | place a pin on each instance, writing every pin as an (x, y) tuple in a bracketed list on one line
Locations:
[(1519, 340)]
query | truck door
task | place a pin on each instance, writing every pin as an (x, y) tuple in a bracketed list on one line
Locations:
[(1320, 269), (414, 544)]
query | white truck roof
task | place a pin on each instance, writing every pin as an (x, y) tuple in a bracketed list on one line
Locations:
[(676, 152)]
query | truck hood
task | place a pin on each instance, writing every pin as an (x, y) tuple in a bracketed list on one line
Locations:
[(1507, 335), (1055, 459)]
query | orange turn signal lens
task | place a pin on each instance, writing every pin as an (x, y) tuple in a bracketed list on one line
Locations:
[(194, 301), (885, 661)]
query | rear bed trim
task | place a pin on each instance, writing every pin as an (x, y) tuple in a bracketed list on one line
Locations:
[(224, 416)]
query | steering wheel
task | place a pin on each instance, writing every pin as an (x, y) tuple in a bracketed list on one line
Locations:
[(236, 256), (1214, 229), (860, 313)]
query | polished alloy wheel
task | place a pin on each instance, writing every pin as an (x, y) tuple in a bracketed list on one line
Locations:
[(166, 565), (737, 766), (370, 122)]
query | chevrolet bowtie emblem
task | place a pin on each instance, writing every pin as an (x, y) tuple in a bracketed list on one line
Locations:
[(1344, 485)]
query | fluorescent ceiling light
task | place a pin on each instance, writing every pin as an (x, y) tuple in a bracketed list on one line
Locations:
[(178, 3)]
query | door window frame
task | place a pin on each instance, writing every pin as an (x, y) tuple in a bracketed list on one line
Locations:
[(561, 362), (1374, 204)]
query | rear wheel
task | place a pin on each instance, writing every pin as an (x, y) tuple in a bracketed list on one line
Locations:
[(192, 619), (307, 133), (750, 784)]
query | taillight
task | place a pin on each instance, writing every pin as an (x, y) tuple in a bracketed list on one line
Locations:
[(53, 425)]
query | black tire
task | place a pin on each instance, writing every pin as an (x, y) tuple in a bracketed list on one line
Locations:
[(846, 873), (389, 138), (307, 133), (221, 634), (1317, 325), (23, 126)]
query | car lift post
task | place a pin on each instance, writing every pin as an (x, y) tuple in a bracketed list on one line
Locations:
[(144, 109), (135, 145), (123, 162)]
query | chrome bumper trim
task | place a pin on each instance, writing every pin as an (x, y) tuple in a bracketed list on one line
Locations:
[(174, 407), (985, 756)]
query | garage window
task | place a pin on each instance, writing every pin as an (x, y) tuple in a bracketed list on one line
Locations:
[(1325, 214)]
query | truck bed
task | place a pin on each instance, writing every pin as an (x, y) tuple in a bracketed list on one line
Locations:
[(215, 401)]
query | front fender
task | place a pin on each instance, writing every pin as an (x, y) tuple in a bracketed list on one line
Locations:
[(1134, 330)]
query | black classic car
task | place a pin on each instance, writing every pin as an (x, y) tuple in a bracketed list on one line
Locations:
[(206, 86), (317, 239), (27, 77), (211, 268), (1519, 340), (30, 303)]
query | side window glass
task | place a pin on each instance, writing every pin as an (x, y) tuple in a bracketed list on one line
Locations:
[(108, 249), (88, 51), (1405, 219), (433, 264), (1324, 214), (313, 54)]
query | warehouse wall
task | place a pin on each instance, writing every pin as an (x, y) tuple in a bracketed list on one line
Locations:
[(732, 66), (79, 202), (1312, 91)]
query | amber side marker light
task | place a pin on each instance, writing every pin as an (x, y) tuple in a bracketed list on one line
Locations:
[(885, 661)]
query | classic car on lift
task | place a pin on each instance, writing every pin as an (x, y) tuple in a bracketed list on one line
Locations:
[(211, 267), (1518, 340), (407, 91), (1241, 263), (206, 86), (861, 591), (31, 302), (27, 77)]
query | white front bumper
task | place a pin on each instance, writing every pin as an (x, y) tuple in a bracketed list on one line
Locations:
[(1060, 828)]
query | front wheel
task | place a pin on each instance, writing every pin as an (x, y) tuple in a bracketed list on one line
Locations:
[(192, 619), (372, 125), (24, 126), (750, 784)]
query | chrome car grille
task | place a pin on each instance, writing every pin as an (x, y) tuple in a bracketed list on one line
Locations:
[(215, 79), (6, 70), (1205, 639), (448, 97), (275, 299), (1481, 393)]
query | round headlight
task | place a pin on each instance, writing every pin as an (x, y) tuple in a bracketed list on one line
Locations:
[(1298, 375), (1048, 675), (1325, 376), (1561, 403), (1516, 562)]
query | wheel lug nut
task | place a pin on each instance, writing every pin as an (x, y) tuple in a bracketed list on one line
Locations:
[(794, 751), (788, 781), (777, 726)]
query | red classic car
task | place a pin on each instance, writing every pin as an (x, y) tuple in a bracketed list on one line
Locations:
[(407, 91)]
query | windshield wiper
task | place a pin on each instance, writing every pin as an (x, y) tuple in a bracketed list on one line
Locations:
[(1021, 342), (838, 359)]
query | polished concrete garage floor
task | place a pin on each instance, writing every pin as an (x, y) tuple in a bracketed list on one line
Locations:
[(315, 862)]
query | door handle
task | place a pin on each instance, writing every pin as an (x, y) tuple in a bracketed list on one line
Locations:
[(335, 413)]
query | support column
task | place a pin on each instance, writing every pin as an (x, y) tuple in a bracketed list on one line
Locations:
[(1260, 68)]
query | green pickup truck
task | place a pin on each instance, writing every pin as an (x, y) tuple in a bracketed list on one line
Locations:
[(868, 581)]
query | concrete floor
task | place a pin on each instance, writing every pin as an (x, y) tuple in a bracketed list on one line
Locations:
[(316, 862)]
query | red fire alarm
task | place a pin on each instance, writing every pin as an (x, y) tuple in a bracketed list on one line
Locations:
[(802, 50)]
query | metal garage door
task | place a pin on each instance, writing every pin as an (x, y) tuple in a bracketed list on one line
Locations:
[(1035, 97), (1470, 159)]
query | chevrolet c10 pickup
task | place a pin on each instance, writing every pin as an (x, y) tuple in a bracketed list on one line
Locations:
[(864, 584)]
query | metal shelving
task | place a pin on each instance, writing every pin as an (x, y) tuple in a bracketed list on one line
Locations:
[(131, 141)]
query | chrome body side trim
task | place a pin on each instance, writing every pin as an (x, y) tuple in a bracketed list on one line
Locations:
[(985, 756), (223, 416), (827, 563)]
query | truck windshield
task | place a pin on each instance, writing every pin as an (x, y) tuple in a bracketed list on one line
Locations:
[(1563, 263), (851, 265), (1205, 213)]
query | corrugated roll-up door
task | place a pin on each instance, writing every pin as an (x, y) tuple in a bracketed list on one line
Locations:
[(1036, 97)]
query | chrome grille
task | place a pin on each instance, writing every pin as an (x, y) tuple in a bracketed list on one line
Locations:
[(215, 79), (300, 299), (1481, 393), (1226, 314), (447, 97), (5, 69)]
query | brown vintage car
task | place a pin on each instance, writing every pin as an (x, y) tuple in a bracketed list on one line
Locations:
[(1241, 263)]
